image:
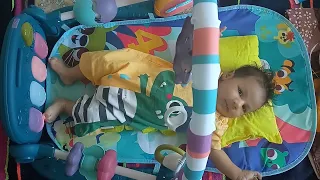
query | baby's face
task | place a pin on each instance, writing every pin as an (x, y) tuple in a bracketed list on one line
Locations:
[(239, 95)]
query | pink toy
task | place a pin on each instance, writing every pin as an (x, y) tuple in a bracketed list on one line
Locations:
[(108, 166), (38, 69), (40, 46)]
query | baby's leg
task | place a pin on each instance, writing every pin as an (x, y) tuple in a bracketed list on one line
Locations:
[(67, 75), (58, 107)]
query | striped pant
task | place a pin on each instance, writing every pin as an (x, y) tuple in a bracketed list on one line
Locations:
[(108, 104)]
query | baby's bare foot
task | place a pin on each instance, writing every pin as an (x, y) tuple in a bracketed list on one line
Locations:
[(62, 70), (53, 111)]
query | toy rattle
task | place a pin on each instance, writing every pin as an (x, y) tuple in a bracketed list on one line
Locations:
[(99, 162), (105, 167), (92, 12)]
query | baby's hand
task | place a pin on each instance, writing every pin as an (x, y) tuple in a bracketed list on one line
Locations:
[(249, 175), (222, 30)]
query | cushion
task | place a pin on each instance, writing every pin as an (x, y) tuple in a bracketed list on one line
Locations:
[(235, 52), (258, 124)]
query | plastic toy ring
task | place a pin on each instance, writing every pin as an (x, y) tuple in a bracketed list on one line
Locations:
[(159, 157)]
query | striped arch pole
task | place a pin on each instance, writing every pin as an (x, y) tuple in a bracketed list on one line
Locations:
[(205, 74)]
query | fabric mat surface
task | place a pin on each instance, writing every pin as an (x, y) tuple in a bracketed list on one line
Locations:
[(258, 21)]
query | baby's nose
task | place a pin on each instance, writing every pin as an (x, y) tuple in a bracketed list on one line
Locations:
[(238, 103)]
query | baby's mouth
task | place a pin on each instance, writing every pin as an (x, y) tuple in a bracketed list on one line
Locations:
[(227, 108)]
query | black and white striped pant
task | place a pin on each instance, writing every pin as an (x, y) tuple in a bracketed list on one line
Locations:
[(107, 104)]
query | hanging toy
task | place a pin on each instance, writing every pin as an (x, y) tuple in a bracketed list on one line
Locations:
[(92, 12)]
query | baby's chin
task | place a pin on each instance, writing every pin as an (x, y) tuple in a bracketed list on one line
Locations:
[(221, 111)]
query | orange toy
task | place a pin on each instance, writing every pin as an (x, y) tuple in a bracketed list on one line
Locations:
[(165, 8)]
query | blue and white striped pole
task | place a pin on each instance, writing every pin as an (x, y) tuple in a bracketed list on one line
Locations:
[(205, 75)]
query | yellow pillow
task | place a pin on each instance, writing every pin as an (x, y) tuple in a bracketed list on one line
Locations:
[(235, 52), (258, 124)]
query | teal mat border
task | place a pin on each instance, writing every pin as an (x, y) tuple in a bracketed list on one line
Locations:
[(248, 7)]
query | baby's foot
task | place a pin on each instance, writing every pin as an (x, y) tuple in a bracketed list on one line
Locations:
[(62, 70), (54, 110)]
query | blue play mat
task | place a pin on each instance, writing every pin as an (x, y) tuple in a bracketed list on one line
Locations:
[(281, 50)]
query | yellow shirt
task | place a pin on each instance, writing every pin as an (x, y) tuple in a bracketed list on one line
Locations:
[(221, 127)]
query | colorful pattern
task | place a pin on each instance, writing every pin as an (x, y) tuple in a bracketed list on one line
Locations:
[(294, 105), (205, 65)]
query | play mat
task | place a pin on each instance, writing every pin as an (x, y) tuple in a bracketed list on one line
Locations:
[(281, 50)]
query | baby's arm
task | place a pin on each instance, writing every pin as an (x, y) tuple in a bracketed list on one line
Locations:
[(221, 160), (227, 167)]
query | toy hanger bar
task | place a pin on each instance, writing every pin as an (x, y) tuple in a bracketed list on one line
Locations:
[(205, 74)]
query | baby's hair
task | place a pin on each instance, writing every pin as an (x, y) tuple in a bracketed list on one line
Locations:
[(265, 78)]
